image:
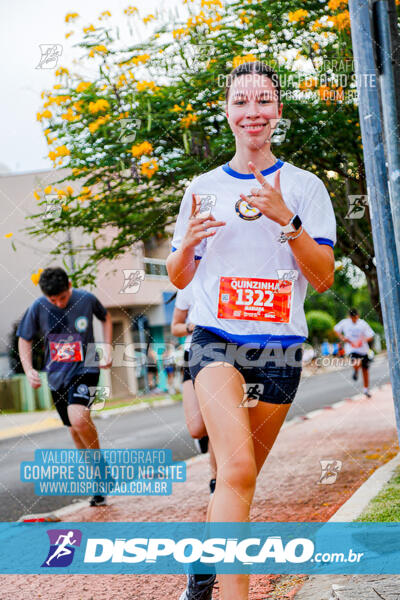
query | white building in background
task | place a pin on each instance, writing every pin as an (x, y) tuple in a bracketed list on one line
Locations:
[(138, 314)]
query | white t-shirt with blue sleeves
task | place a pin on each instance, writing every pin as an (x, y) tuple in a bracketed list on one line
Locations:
[(248, 247)]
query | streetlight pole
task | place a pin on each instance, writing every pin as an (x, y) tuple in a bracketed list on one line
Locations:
[(378, 191), (384, 53)]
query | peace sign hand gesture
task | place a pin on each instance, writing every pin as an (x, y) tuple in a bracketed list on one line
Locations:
[(198, 226), (269, 198)]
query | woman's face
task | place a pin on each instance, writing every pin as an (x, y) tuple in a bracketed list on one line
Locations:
[(253, 110)]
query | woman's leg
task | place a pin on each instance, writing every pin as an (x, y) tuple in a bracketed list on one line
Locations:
[(193, 417), (266, 419), (220, 392)]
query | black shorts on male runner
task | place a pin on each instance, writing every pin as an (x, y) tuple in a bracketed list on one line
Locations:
[(78, 391), (365, 360), (270, 382)]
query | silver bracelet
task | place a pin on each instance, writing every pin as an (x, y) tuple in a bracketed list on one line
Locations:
[(284, 237)]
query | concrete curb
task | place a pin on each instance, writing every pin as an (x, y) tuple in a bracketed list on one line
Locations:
[(135, 407)]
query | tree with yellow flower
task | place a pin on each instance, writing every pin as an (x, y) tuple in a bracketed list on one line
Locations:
[(153, 116)]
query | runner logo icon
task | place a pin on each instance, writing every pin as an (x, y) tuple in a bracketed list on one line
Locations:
[(62, 547)]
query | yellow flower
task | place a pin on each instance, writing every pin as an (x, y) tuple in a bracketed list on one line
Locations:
[(176, 108), (47, 114), (131, 10), (85, 194), (335, 4), (211, 3), (148, 168), (239, 60), (315, 46), (70, 116), (177, 33), (61, 71), (189, 107), (140, 149), (93, 127), (143, 85), (77, 106), (100, 49), (82, 86), (36, 195), (186, 121), (98, 106), (47, 190), (141, 58), (62, 150), (317, 25), (308, 84), (342, 20), (89, 28), (324, 92), (52, 155), (8, 235), (243, 18), (69, 190), (71, 17), (298, 15), (104, 14), (68, 34), (148, 18), (36, 276), (122, 80)]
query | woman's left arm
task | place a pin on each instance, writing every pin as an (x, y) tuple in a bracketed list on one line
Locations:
[(316, 261)]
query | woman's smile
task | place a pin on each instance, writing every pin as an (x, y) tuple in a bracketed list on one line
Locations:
[(254, 127)]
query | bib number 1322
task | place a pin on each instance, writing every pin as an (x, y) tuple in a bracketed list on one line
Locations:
[(255, 299)]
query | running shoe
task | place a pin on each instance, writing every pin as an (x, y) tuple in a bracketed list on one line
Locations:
[(367, 393), (202, 445), (98, 501), (212, 485), (355, 375), (198, 590)]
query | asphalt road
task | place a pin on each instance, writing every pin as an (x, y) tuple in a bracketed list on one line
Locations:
[(163, 427)]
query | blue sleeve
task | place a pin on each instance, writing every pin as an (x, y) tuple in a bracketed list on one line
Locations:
[(29, 325), (98, 309)]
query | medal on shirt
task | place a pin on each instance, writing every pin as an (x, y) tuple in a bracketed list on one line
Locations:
[(253, 299), (247, 212)]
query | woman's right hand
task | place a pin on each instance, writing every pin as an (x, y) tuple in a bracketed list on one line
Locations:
[(198, 226)]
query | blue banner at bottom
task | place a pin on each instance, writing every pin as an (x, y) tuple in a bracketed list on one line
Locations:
[(169, 548)]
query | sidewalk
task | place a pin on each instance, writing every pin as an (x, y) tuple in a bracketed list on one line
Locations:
[(361, 433)]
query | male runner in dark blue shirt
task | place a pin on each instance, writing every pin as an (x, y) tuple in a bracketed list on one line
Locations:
[(64, 317)]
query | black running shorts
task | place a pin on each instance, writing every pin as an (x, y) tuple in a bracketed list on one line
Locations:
[(272, 381), (79, 391)]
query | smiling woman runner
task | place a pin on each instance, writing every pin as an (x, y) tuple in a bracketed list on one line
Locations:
[(268, 218)]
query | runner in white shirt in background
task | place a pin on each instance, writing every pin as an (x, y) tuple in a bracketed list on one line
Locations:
[(356, 333), (182, 325), (267, 218)]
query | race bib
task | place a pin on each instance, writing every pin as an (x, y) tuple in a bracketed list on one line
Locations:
[(65, 348), (252, 299)]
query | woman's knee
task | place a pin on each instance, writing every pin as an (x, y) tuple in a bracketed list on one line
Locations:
[(239, 473), (196, 427)]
